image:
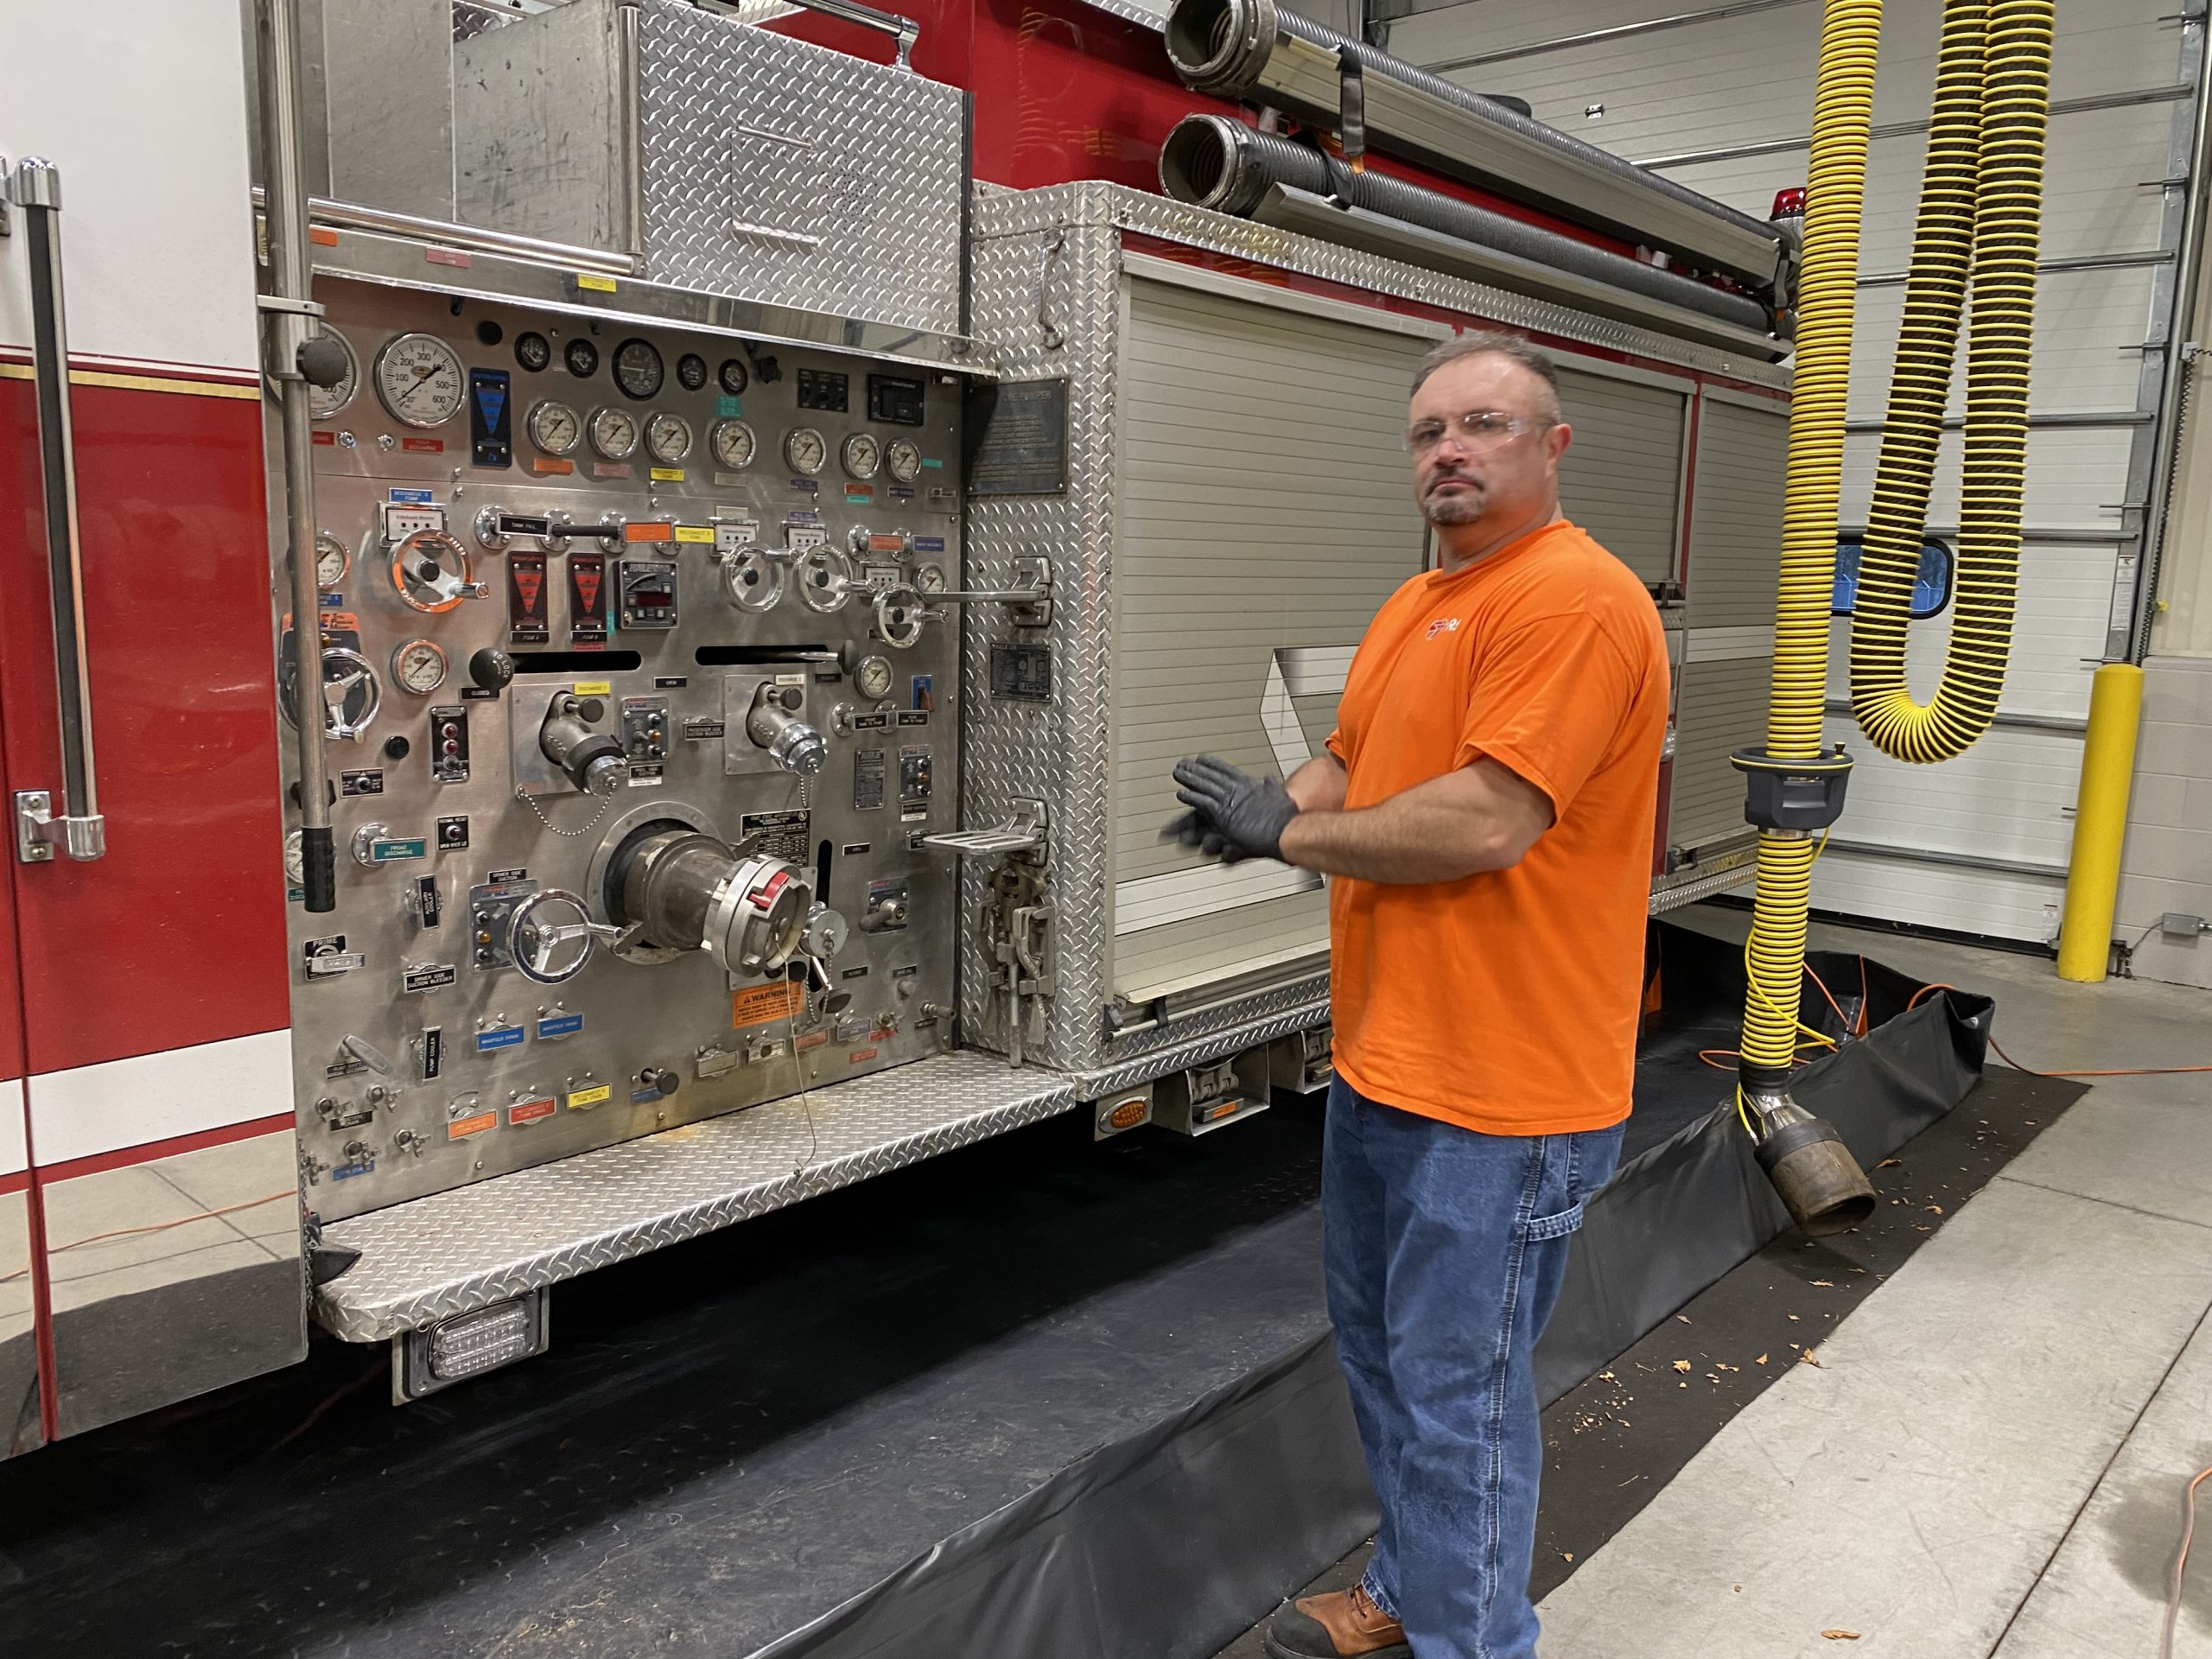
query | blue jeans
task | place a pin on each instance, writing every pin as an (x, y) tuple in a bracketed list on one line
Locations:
[(1445, 1251)]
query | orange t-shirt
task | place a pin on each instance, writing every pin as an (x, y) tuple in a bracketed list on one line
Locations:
[(1506, 1002)]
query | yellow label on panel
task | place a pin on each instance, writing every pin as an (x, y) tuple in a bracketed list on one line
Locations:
[(761, 1005), (668, 475), (580, 1098), (461, 1128), (696, 533), (593, 688), (597, 284)]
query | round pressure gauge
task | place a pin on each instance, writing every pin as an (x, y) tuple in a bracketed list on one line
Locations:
[(615, 432), (323, 402), (692, 371), (734, 376), (733, 444), (904, 457), (861, 455), (928, 579), (556, 429), (872, 678), (581, 357), (332, 561), (638, 369), (418, 666), (669, 437), (419, 380), (295, 859), (804, 450), (533, 351)]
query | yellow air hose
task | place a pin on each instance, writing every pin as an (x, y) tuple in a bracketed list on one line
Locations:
[(1977, 227), (1979, 218)]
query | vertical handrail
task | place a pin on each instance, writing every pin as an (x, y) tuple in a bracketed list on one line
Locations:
[(288, 313), (80, 831)]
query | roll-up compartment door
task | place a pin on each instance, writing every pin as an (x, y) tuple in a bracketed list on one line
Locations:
[(1265, 513), (1621, 479)]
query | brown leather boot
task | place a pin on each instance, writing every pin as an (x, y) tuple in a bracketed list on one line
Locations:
[(1336, 1626)]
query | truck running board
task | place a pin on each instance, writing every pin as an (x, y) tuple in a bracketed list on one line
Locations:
[(466, 1248)]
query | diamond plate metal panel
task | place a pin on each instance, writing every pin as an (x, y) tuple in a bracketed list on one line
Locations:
[(1226, 1031), (466, 1248), (1687, 887), (1095, 202), (797, 175)]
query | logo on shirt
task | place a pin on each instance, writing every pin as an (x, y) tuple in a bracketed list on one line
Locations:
[(1444, 624)]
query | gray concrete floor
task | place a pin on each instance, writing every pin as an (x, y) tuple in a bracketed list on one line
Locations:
[(1987, 1460)]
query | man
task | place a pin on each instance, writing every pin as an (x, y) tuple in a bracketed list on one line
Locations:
[(1485, 807)]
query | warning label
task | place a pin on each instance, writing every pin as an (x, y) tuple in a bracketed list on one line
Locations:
[(761, 1005)]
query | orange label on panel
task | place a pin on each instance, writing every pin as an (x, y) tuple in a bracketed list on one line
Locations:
[(529, 1111), (461, 1128), (811, 1039), (423, 446), (552, 464), (860, 1054), (649, 532), (887, 543), (326, 437), (882, 1036), (761, 1005), (322, 236)]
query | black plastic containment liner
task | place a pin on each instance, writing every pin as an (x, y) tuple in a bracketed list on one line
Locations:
[(1040, 1398)]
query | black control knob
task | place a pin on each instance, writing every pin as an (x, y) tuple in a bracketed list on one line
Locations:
[(660, 1080), (396, 747), (323, 361), (491, 668)]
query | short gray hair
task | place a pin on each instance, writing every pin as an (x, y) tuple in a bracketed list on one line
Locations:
[(1490, 342)]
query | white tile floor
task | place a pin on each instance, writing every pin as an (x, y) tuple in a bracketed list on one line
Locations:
[(1988, 1461)]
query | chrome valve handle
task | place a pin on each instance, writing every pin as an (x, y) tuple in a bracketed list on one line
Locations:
[(550, 934)]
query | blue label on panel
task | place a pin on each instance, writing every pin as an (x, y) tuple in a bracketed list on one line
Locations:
[(929, 543), (806, 485), (419, 497), (499, 1037), (399, 847), (348, 1171), (492, 398), (560, 1025), (333, 602), (931, 460), (727, 408)]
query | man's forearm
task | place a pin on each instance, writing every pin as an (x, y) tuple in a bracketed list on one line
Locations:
[(1318, 785), (1449, 828)]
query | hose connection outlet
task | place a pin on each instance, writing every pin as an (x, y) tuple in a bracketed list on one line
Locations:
[(1813, 1171)]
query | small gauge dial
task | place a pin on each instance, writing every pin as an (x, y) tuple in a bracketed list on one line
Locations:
[(323, 402), (692, 371), (615, 432), (669, 438), (332, 561), (638, 369), (928, 579), (804, 450), (904, 457), (555, 427), (533, 351), (419, 666), (581, 357), (861, 455), (296, 858), (733, 444), (419, 380), (733, 376), (872, 678)]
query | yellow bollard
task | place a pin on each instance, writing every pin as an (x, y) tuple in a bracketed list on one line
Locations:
[(2099, 822)]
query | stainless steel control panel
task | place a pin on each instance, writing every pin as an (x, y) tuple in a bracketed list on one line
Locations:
[(635, 738)]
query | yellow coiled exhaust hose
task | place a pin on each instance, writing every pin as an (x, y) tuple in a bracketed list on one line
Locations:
[(1977, 228), (1980, 222)]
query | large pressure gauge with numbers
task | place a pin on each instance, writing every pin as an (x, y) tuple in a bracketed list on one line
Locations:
[(419, 380)]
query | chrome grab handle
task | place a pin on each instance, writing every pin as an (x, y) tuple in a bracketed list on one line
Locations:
[(903, 31), (80, 831)]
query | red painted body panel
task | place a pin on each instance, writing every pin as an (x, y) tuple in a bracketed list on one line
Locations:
[(176, 936)]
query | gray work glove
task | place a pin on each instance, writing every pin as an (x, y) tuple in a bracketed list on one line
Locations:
[(1233, 815)]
